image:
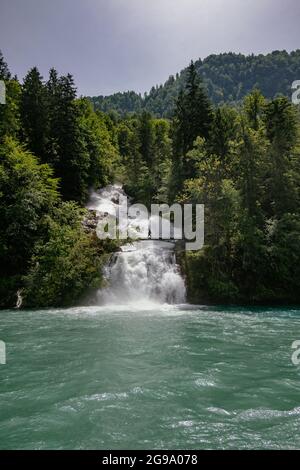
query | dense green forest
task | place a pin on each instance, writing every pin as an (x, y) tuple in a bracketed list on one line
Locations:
[(227, 78), (53, 148), (241, 162)]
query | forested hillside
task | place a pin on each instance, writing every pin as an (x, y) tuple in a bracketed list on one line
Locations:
[(242, 163), (53, 148), (228, 78)]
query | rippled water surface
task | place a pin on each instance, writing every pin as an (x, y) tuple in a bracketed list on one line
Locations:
[(149, 377)]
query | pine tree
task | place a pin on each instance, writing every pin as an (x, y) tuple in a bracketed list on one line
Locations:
[(252, 151), (146, 137), (254, 105), (161, 160), (281, 127), (10, 112), (34, 114), (4, 70), (199, 111), (222, 132), (66, 146), (192, 118)]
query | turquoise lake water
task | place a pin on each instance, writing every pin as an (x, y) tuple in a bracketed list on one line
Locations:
[(150, 377)]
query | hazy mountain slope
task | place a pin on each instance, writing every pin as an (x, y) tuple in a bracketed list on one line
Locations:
[(228, 78)]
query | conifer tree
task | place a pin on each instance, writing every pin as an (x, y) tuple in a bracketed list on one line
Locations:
[(10, 112), (222, 131), (71, 160), (281, 127), (34, 114), (254, 105), (4, 70), (192, 119), (146, 137)]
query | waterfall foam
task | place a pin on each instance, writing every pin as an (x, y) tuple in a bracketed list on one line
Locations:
[(143, 271)]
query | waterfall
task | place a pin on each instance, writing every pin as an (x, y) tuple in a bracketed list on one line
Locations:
[(143, 271)]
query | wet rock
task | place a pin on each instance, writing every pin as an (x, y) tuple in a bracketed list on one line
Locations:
[(90, 221)]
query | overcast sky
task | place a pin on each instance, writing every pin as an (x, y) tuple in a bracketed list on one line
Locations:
[(116, 45)]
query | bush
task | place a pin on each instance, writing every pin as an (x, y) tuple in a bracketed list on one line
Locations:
[(66, 265)]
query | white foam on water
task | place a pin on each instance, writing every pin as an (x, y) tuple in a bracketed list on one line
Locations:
[(143, 272)]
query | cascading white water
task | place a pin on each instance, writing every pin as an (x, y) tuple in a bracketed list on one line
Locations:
[(144, 271)]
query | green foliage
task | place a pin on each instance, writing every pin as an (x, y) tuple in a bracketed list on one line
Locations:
[(250, 190), (122, 103), (64, 265), (34, 114), (227, 77), (4, 70), (192, 118), (145, 148), (43, 247), (28, 192), (284, 253), (67, 134), (242, 162), (64, 148), (9, 113), (254, 106), (281, 129), (101, 154), (222, 132)]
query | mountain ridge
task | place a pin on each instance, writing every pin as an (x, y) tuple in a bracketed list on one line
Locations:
[(227, 77)]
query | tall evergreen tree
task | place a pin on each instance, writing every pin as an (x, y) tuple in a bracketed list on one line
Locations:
[(281, 127), (70, 157), (192, 118), (252, 150), (193, 113), (222, 131), (254, 105), (146, 137), (4, 70), (10, 112)]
